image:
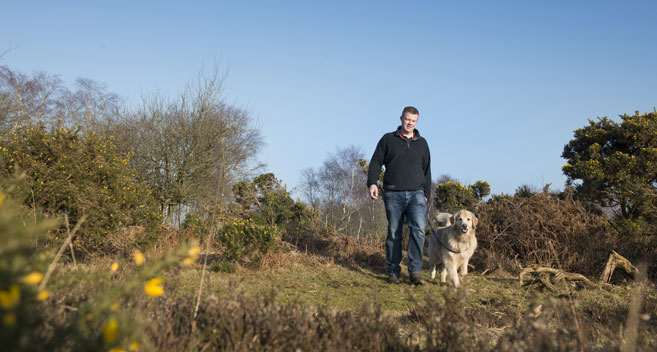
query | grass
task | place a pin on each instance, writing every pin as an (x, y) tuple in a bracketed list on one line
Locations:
[(493, 305)]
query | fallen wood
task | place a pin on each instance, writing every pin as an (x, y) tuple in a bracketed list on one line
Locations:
[(549, 276), (618, 261)]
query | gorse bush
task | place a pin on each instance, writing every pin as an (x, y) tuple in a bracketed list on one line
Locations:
[(196, 225), (266, 214), (611, 167), (75, 173), (266, 201), (452, 196), (245, 238)]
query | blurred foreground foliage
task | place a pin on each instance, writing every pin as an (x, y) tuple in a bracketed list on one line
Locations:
[(35, 317)]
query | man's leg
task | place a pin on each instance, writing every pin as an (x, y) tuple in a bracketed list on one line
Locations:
[(416, 217), (394, 204)]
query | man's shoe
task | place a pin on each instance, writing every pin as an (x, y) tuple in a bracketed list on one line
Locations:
[(393, 279), (416, 279)]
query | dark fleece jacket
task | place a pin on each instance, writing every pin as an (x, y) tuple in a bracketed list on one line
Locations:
[(407, 163)]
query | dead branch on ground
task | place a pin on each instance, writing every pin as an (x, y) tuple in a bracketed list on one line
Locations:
[(549, 276), (618, 261)]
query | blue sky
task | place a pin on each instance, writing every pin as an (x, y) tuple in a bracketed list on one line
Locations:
[(500, 85)]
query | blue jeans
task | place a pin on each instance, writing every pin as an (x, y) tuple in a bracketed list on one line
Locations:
[(411, 205)]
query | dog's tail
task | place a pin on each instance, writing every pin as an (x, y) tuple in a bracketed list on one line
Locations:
[(443, 219)]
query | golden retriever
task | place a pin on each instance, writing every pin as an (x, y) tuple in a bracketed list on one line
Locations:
[(453, 245)]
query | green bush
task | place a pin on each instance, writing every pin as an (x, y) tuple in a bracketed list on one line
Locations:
[(245, 238), (452, 196), (267, 201), (74, 173), (196, 225)]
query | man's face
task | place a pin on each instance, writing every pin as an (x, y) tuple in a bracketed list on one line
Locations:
[(408, 122)]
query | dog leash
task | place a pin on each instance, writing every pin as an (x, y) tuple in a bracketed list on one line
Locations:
[(434, 232)]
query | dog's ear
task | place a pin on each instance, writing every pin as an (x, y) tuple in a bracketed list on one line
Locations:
[(474, 221), (451, 220)]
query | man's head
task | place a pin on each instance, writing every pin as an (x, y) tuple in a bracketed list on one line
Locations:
[(408, 119)]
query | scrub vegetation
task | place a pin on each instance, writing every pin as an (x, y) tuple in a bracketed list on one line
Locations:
[(154, 229)]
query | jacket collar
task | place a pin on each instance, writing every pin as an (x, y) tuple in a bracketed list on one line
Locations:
[(416, 134)]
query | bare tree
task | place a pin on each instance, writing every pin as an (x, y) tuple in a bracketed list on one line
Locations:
[(190, 150), (26, 99), (90, 104), (338, 190), (43, 98), (309, 187)]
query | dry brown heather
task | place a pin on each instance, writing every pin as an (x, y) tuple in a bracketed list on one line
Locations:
[(330, 294)]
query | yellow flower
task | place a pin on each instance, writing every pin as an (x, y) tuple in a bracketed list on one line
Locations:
[(43, 295), (153, 287), (32, 278), (9, 319), (139, 257), (110, 330), (2, 198), (134, 346), (194, 251), (116, 350), (8, 299), (114, 267), (189, 261)]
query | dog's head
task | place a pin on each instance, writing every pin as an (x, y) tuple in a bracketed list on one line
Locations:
[(464, 221)]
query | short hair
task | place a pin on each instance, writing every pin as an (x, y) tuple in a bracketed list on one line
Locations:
[(411, 110)]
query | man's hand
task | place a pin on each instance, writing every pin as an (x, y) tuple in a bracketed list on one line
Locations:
[(374, 192)]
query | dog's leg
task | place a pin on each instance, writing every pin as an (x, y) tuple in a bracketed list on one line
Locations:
[(464, 268), (443, 273), (432, 268), (454, 276)]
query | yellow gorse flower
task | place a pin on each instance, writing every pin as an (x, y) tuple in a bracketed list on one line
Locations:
[(2, 198), (153, 287), (32, 278), (192, 255), (194, 251), (134, 346), (139, 257), (9, 319), (114, 267), (110, 330), (9, 299), (43, 295)]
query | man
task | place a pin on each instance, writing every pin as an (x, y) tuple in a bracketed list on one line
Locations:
[(407, 186)]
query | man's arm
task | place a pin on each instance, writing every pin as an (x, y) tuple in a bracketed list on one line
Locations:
[(427, 175), (374, 169), (374, 192)]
